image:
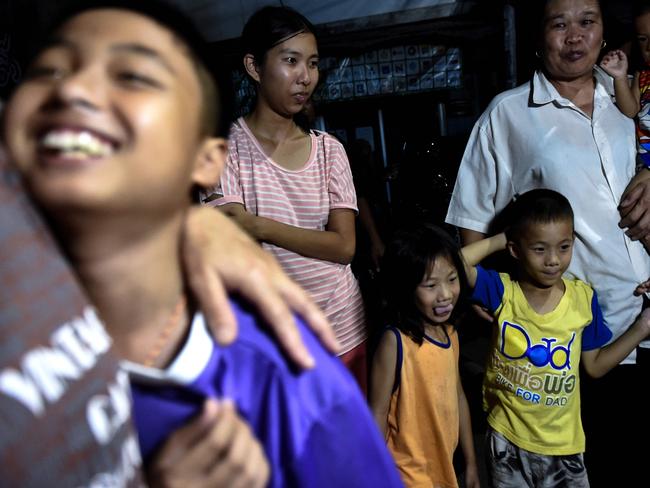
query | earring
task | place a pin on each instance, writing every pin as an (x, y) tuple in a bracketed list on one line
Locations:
[(604, 44), (538, 54)]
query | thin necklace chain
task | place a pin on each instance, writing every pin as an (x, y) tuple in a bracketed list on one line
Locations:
[(163, 337)]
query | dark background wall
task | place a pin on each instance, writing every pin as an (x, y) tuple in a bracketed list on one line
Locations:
[(420, 134)]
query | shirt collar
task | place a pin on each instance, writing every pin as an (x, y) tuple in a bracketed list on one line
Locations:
[(544, 92), (187, 366)]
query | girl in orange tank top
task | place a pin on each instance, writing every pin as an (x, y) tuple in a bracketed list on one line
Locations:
[(416, 395)]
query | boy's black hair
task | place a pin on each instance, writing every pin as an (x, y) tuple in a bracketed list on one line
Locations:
[(407, 259), (538, 206), (213, 76), (265, 29)]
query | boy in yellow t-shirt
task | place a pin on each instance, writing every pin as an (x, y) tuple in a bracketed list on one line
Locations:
[(545, 326)]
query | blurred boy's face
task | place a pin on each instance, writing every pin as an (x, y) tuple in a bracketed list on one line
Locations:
[(544, 251), (108, 117)]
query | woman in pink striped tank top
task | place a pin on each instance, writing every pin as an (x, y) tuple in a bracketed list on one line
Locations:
[(291, 187)]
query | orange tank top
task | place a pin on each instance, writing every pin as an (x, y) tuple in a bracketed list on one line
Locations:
[(423, 419)]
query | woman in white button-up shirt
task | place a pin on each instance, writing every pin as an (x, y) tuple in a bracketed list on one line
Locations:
[(562, 131)]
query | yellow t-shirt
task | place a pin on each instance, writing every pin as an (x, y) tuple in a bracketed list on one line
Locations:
[(423, 418), (532, 389)]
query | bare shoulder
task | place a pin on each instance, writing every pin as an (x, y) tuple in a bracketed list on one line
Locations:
[(387, 347)]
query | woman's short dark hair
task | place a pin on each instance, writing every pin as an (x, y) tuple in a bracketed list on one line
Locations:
[(407, 259)]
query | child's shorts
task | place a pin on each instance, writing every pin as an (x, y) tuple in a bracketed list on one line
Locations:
[(513, 467)]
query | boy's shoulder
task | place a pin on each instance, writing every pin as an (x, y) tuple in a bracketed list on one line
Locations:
[(298, 415), (576, 289), (312, 391), (492, 276), (253, 372), (574, 285), (255, 336), (252, 361), (313, 413), (579, 289)]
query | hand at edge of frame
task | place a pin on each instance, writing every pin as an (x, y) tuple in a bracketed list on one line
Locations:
[(219, 256)]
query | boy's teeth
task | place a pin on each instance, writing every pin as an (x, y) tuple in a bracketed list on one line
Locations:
[(76, 144)]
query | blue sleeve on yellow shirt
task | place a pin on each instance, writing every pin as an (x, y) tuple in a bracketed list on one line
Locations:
[(488, 290), (596, 334)]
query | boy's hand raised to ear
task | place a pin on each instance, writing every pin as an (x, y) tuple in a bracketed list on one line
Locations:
[(218, 256)]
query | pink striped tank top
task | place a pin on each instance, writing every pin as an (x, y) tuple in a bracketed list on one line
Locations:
[(302, 198)]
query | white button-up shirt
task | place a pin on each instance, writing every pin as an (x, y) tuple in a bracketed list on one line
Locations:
[(532, 137)]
